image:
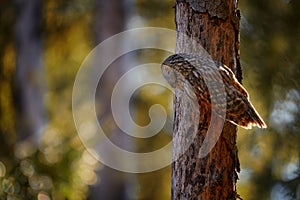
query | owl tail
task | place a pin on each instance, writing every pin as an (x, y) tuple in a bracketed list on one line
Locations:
[(250, 118)]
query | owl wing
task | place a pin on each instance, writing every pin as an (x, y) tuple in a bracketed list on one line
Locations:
[(209, 87), (239, 109)]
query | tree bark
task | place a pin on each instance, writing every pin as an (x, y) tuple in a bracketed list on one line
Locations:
[(214, 25), (29, 70)]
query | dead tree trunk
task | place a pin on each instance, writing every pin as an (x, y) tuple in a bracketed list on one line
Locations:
[(110, 19), (214, 25), (29, 69)]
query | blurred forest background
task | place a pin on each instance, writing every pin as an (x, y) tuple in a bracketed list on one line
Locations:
[(42, 45)]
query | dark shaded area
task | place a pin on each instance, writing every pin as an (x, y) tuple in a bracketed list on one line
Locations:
[(270, 58)]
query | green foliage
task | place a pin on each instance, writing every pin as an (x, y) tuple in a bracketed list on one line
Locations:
[(59, 167), (157, 13)]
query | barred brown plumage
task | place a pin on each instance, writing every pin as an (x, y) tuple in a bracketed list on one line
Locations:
[(214, 86)]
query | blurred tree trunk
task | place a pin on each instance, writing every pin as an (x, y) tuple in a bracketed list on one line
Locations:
[(29, 69), (213, 24), (111, 18)]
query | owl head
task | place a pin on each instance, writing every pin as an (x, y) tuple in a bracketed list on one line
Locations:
[(176, 68)]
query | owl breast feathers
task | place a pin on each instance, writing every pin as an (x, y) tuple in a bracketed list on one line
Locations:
[(214, 86)]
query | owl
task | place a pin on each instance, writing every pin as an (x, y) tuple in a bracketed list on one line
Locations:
[(214, 86)]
